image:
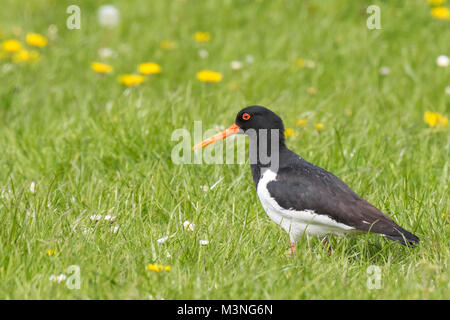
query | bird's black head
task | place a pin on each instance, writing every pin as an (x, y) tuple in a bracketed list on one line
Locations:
[(259, 123), (258, 117)]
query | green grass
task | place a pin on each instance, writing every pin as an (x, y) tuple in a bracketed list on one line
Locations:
[(93, 147)]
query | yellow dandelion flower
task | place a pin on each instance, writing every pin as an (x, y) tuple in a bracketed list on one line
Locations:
[(100, 67), (311, 90), (152, 267), (444, 216), (436, 2), (11, 45), (168, 45), (158, 267), (51, 252), (25, 56), (202, 36), (301, 62), (209, 76), (131, 79), (319, 126), (430, 118), (149, 68), (434, 119), (289, 132), (36, 40), (441, 13), (301, 122)]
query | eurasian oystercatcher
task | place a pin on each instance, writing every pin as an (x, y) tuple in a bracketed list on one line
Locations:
[(299, 196)]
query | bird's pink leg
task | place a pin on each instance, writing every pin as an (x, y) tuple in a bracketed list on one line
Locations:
[(292, 250)]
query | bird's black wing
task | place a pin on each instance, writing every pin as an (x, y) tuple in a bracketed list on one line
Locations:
[(306, 186)]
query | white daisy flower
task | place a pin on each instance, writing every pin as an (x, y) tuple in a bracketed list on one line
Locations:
[(87, 231), (105, 53), (236, 65), (31, 214), (33, 187), (114, 229), (188, 226), (96, 217), (162, 240), (52, 31), (108, 16), (310, 64), (56, 278), (7, 67), (62, 277), (110, 218), (384, 71), (204, 242), (443, 61), (203, 53)]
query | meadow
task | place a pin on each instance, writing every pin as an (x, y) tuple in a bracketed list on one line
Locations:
[(87, 179)]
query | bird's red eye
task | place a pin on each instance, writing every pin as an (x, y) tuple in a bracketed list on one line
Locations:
[(246, 116)]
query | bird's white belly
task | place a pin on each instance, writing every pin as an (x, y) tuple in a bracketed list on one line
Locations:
[(294, 222)]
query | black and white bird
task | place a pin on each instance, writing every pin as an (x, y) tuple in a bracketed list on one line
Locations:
[(299, 196)]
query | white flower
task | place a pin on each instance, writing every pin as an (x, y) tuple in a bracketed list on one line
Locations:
[(33, 187), (31, 214), (7, 67), (56, 278), (205, 188), (105, 52), (52, 31), (236, 65), (96, 217), (110, 218), (162, 240), (203, 53), (203, 242), (114, 229), (188, 226), (88, 231), (443, 61), (447, 90), (384, 71), (310, 64), (108, 15), (168, 255)]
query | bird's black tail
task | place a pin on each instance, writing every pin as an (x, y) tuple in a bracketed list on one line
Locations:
[(404, 237)]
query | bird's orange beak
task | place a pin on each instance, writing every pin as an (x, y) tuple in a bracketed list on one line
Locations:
[(221, 135)]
